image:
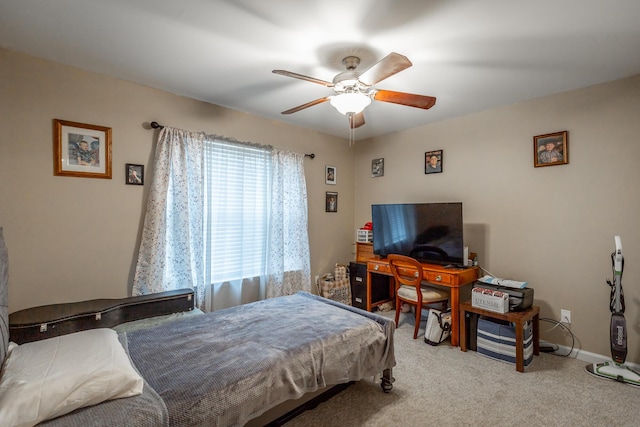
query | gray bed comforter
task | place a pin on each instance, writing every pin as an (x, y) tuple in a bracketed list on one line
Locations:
[(226, 367)]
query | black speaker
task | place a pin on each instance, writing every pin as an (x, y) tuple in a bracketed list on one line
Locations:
[(379, 286)]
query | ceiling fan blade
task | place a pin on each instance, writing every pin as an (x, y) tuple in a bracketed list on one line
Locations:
[(303, 77), (386, 67), (356, 120), (408, 99), (307, 105)]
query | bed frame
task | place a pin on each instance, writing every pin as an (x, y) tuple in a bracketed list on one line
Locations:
[(48, 321)]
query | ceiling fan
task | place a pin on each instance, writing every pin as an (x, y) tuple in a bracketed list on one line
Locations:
[(355, 91)]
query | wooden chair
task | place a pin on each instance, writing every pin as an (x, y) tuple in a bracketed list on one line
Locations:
[(411, 289)]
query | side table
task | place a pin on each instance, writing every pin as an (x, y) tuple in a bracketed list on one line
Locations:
[(518, 317)]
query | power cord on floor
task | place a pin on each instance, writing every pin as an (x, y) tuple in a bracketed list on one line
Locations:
[(562, 325)]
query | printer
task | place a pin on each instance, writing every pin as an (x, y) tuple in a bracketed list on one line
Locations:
[(519, 298)]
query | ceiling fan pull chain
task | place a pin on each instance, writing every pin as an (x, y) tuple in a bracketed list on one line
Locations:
[(351, 129)]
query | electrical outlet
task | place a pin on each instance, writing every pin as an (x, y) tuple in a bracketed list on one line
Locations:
[(317, 277), (565, 316)]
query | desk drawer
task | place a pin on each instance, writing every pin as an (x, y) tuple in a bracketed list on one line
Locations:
[(406, 271), (437, 277), (379, 268)]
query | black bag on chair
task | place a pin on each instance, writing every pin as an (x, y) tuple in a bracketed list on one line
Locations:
[(438, 326)]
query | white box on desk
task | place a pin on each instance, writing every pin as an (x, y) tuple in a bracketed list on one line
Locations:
[(364, 236), (490, 300)]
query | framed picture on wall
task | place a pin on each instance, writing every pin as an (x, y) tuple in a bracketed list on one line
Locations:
[(134, 174), (331, 202), (433, 161), (81, 150), (330, 175), (551, 149), (377, 167)]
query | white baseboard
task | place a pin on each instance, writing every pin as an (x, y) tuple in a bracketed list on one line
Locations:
[(588, 356)]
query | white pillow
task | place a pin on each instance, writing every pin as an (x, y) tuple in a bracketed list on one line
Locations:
[(45, 379)]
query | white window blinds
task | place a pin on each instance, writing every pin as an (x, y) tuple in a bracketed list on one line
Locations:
[(237, 180)]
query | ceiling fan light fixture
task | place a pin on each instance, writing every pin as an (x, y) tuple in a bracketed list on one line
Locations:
[(350, 102)]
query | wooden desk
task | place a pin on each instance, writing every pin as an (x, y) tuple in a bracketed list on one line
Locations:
[(451, 278), (518, 317)]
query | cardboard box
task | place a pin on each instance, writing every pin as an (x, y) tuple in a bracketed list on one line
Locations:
[(490, 300)]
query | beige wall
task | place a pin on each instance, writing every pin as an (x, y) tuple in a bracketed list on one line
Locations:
[(551, 226), (71, 239)]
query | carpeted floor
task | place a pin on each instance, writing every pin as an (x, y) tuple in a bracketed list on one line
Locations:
[(441, 385)]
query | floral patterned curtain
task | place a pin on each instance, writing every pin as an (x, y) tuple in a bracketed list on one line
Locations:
[(288, 264), (170, 255)]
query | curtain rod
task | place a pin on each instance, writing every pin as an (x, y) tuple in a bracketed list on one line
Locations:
[(156, 125)]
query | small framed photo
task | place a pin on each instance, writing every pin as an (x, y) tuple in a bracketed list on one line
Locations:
[(377, 167), (81, 150), (135, 174), (551, 149), (330, 175), (331, 202), (433, 161)]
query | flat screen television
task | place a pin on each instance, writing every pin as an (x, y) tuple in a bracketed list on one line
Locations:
[(429, 232)]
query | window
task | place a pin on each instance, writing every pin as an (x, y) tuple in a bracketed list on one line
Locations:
[(226, 218), (236, 206)]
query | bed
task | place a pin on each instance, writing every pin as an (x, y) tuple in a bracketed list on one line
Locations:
[(219, 369)]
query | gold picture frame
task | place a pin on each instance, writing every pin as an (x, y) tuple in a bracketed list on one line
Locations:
[(81, 150), (551, 149)]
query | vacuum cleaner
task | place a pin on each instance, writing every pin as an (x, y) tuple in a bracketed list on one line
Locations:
[(616, 370)]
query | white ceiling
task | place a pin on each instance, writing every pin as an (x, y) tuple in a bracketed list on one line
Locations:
[(472, 55)]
